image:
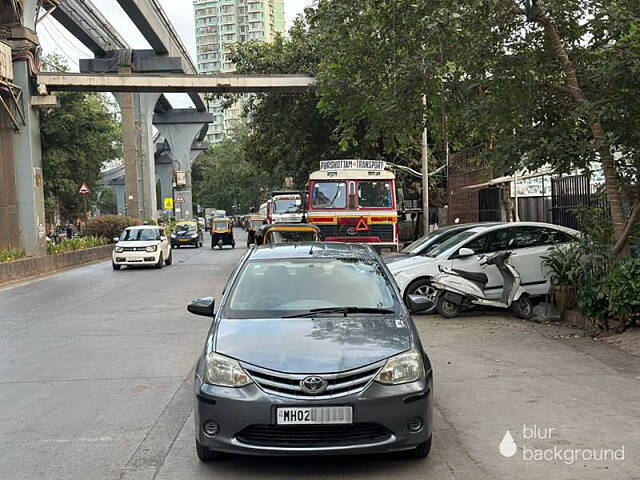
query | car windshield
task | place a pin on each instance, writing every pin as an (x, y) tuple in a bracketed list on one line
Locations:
[(289, 236), (185, 227), (140, 235), (221, 225), (279, 288), (329, 195), (440, 248), (375, 195), (287, 206), (436, 237), (257, 223)]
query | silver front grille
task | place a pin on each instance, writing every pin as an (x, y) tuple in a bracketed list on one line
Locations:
[(338, 384)]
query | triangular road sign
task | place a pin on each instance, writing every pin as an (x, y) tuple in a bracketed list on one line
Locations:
[(83, 189), (179, 198), (362, 225)]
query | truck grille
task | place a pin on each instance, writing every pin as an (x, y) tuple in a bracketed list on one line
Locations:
[(338, 384), (305, 436), (384, 231)]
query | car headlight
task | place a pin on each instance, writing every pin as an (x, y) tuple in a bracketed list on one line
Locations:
[(119, 249), (151, 248), (404, 368), (224, 371), (194, 235)]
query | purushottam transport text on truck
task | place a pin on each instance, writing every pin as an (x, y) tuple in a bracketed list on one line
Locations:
[(354, 201)]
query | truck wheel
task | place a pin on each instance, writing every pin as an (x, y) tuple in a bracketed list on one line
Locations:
[(446, 308)]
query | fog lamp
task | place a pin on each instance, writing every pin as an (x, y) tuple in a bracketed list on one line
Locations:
[(415, 424), (210, 428)]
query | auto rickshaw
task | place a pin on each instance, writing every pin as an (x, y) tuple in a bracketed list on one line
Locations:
[(252, 224), (222, 233), (287, 233)]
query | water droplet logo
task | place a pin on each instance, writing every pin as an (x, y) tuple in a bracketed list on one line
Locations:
[(508, 446)]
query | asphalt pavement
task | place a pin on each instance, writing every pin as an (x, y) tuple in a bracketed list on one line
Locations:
[(96, 377)]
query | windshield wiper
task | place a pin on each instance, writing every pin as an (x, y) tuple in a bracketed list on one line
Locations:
[(314, 312)]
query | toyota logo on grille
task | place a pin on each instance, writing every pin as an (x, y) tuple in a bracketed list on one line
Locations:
[(313, 385)]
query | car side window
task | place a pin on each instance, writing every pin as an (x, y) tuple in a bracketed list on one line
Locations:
[(553, 236), (479, 244), (527, 237), (501, 240)]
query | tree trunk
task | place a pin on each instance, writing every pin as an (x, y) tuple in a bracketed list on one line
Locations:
[(600, 143)]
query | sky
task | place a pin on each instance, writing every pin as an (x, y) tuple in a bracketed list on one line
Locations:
[(55, 39)]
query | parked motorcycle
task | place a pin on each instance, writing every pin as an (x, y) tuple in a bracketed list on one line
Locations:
[(458, 289)]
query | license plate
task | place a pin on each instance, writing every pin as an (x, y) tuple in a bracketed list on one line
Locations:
[(185, 239), (314, 415), (133, 260)]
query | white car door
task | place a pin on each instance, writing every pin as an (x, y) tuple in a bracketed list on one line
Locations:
[(485, 245), (531, 244)]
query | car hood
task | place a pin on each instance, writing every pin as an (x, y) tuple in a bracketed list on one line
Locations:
[(145, 243), (313, 345), (409, 261), (395, 257)]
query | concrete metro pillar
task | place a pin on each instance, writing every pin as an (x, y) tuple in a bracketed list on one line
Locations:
[(137, 143), (27, 149), (180, 127)]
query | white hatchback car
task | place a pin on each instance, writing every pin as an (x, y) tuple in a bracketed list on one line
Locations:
[(142, 245), (528, 242)]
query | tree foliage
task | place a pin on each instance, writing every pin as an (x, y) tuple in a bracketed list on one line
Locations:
[(224, 179), (77, 139)]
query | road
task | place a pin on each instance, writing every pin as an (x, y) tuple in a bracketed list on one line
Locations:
[(96, 383)]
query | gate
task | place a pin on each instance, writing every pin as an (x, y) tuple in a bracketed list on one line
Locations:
[(489, 205), (569, 194)]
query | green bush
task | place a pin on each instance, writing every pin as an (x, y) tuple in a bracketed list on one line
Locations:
[(11, 254), (562, 261), (78, 243), (622, 288), (109, 226)]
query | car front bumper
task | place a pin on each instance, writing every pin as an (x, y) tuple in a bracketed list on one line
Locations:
[(136, 258), (388, 407), (177, 242)]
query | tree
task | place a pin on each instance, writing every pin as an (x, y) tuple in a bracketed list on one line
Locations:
[(223, 178), (77, 139)]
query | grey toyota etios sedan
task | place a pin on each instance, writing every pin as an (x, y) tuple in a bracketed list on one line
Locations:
[(311, 352)]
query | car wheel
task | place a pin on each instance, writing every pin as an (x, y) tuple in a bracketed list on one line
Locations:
[(423, 287), (116, 267), (169, 259), (160, 263), (446, 308), (422, 450), (522, 308), (206, 455)]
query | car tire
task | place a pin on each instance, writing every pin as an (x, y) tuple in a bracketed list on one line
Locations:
[(169, 259), (523, 308), (116, 267), (446, 308), (422, 450), (160, 263), (419, 287), (206, 455)]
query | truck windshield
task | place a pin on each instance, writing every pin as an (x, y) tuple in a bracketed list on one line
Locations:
[(329, 195), (375, 194), (287, 206)]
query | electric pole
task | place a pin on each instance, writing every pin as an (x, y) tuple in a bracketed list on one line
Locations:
[(425, 169)]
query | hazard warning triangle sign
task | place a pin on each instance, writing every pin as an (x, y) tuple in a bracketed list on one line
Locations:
[(179, 198), (83, 189), (362, 225)]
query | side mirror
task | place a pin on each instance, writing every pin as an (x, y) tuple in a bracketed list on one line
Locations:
[(116, 239), (418, 303), (162, 238), (202, 306), (465, 252)]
